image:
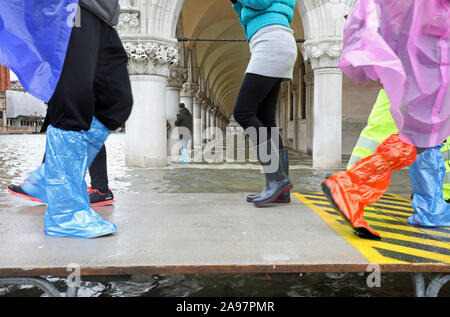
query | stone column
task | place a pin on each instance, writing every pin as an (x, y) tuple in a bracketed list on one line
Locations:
[(208, 123), (287, 113), (327, 114), (204, 112), (277, 114), (309, 81), (218, 119), (150, 62), (212, 118), (198, 115), (283, 115), (221, 121), (174, 84), (187, 95), (296, 94), (176, 79)]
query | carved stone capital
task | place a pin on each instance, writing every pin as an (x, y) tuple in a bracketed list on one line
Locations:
[(199, 97), (323, 53), (129, 22), (189, 90), (177, 77), (150, 57)]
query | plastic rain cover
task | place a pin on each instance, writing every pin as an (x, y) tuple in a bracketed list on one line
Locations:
[(35, 186), (67, 157), (427, 176), (405, 45), (34, 36)]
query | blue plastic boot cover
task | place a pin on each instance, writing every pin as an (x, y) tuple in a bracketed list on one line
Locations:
[(95, 138), (34, 185), (427, 177), (69, 213)]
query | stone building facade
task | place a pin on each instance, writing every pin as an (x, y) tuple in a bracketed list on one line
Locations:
[(194, 51), (173, 59)]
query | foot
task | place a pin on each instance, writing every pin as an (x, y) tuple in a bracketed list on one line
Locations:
[(100, 199), (19, 192), (84, 224), (273, 192), (361, 228), (284, 198)]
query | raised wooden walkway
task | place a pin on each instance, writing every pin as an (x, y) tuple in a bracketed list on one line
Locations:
[(220, 233)]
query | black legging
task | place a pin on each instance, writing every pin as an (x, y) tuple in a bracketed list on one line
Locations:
[(256, 104)]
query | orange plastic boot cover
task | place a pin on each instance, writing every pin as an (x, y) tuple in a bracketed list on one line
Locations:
[(368, 180)]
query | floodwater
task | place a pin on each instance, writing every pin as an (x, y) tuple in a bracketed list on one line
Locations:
[(20, 154)]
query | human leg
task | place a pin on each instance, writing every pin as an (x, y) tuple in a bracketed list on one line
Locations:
[(75, 137), (427, 177), (266, 114), (98, 172), (380, 125), (69, 213), (258, 96)]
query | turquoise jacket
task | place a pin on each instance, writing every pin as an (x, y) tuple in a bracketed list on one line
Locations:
[(256, 14)]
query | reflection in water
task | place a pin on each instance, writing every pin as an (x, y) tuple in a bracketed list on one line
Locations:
[(236, 285), (20, 154)]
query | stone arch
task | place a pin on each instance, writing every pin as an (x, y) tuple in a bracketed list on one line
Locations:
[(216, 19), (152, 47)]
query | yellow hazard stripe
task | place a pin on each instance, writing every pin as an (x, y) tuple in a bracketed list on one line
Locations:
[(411, 251), (367, 247), (362, 245), (395, 212), (378, 216), (433, 243), (396, 197), (397, 204), (407, 227)]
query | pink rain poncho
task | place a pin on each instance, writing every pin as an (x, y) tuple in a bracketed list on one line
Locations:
[(405, 45)]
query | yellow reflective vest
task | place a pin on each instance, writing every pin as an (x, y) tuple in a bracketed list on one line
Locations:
[(380, 126)]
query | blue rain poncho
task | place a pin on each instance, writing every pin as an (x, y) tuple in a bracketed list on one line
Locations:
[(34, 36)]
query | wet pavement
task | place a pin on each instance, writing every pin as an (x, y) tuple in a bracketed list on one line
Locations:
[(20, 154)]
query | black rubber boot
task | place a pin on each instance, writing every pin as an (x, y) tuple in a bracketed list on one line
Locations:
[(278, 182), (284, 198)]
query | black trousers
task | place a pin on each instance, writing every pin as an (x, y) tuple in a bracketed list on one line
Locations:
[(94, 80), (256, 104), (98, 172)]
